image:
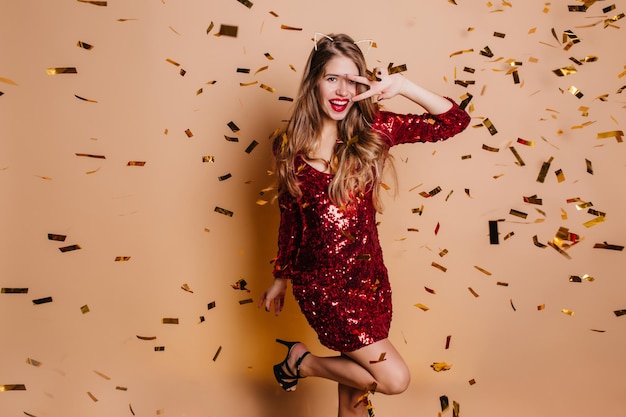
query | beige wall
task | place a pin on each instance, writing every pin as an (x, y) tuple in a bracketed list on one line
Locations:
[(524, 361)]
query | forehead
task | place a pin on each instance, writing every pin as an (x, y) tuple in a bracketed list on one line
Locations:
[(340, 65)]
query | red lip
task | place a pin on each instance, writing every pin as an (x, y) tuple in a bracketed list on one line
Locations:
[(339, 105)]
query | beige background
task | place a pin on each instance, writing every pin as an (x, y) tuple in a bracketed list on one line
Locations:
[(524, 361)]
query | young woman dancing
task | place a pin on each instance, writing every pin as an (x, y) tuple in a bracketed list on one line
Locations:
[(329, 163)]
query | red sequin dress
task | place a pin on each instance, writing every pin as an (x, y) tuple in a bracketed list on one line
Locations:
[(332, 255)]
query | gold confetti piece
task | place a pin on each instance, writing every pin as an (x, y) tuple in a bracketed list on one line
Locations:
[(94, 3), (441, 268), (431, 291), (474, 293), (594, 222), (42, 300), (608, 246), (519, 161), (33, 362), (228, 30), (397, 69), (146, 337), (437, 229), (617, 313), (233, 127), (246, 301), (494, 235), (7, 81), (85, 99), (544, 170), (267, 88), (169, 320), (487, 52), (533, 199), (464, 51), (285, 27), (518, 213), (448, 338), (575, 91), (421, 306), (211, 305), (512, 305), (617, 134), (13, 387), (224, 211), (186, 287), (121, 388), (88, 155), (381, 358), (224, 177), (364, 257), (444, 402), (122, 258), (208, 158), (136, 163), (541, 307), (499, 35), (246, 3), (219, 349), (14, 291), (560, 177), (159, 348), (69, 248), (440, 366), (210, 28), (273, 13), (60, 238), (431, 193), (84, 45), (484, 271), (566, 311), (100, 374), (61, 70), (85, 309), (492, 129), (525, 142)]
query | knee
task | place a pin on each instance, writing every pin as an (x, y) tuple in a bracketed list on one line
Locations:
[(395, 383)]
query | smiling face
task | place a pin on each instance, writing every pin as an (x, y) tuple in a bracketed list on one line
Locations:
[(334, 90)]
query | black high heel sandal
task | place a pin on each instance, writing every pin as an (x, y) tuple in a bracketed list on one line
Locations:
[(286, 377)]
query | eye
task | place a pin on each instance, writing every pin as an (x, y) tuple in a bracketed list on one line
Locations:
[(331, 78)]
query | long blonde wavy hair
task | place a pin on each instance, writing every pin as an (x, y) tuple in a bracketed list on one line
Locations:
[(359, 155)]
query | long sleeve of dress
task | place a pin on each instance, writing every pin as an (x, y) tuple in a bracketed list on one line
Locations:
[(426, 127), (289, 236)]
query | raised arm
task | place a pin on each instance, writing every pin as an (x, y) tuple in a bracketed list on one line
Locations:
[(387, 86)]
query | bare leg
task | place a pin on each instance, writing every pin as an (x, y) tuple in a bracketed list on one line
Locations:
[(348, 397), (359, 369)]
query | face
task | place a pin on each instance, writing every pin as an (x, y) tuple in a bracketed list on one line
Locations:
[(334, 90)]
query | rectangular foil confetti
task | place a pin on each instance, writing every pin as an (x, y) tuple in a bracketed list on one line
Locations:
[(439, 267), (61, 70), (169, 320), (42, 300), (228, 30), (493, 232), (14, 291), (13, 387), (251, 146), (217, 353), (224, 211), (544, 170), (492, 129)]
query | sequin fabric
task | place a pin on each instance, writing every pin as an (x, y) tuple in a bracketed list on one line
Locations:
[(332, 254)]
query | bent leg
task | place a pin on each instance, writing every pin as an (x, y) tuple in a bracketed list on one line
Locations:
[(361, 368)]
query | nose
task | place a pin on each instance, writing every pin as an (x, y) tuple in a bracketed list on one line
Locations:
[(343, 87)]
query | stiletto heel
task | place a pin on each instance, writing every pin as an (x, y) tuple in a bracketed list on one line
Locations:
[(286, 377)]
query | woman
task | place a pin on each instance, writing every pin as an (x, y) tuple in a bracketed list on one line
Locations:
[(329, 163)]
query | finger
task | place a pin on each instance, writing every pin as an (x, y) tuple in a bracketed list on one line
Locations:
[(366, 94), (358, 78)]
